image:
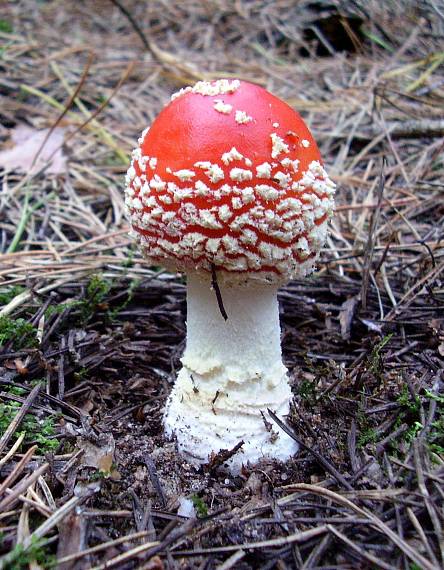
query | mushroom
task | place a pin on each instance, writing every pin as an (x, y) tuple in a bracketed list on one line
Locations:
[(228, 187)]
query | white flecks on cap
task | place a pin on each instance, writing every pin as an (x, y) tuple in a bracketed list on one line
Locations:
[(271, 252), (142, 136), (184, 194), (237, 203), (275, 125), (226, 190), (247, 195), (305, 143), (184, 175), (137, 204), (213, 171), (257, 211), (142, 162), (149, 201), (291, 204), (221, 107), (249, 237), (302, 244), (156, 183), (240, 174), (188, 212), (208, 220), (168, 216), (231, 244), (296, 224), (212, 245), (204, 164), (136, 154), (267, 192), (181, 92), (131, 173), (278, 145), (282, 178), (224, 212), (231, 155), (201, 188), (263, 170), (242, 118), (210, 88)]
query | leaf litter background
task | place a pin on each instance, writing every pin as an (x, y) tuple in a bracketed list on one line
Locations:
[(91, 336)]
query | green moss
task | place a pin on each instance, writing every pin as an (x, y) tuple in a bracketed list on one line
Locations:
[(57, 309), (6, 27), (97, 289), (408, 402), (410, 414), (199, 505), (307, 391), (20, 558), (376, 364), (435, 437), (21, 333), (96, 292), (95, 299), (42, 432), (9, 293), (366, 435), (132, 286)]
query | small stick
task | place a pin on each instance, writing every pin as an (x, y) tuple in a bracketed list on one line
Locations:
[(152, 471), (215, 286), (66, 109), (369, 249), (320, 458), (217, 459), (137, 29)]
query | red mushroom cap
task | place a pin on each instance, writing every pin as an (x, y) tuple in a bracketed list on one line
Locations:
[(228, 174)]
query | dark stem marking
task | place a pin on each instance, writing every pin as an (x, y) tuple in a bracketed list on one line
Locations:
[(215, 286), (215, 397)]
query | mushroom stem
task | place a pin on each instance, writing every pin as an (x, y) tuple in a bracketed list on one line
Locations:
[(232, 372)]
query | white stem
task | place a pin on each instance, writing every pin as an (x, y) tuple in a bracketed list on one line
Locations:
[(232, 372)]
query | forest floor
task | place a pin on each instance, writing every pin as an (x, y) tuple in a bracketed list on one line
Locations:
[(91, 335)]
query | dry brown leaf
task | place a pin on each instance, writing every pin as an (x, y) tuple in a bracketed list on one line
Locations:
[(26, 143), (98, 455)]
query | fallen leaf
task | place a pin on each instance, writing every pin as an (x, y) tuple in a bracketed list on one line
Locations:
[(26, 143), (20, 366), (98, 455), (346, 315), (154, 564), (186, 508)]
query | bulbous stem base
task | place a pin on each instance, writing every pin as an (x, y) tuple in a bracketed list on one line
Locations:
[(232, 373)]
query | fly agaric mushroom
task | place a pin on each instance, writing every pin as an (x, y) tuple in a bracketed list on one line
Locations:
[(229, 182)]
